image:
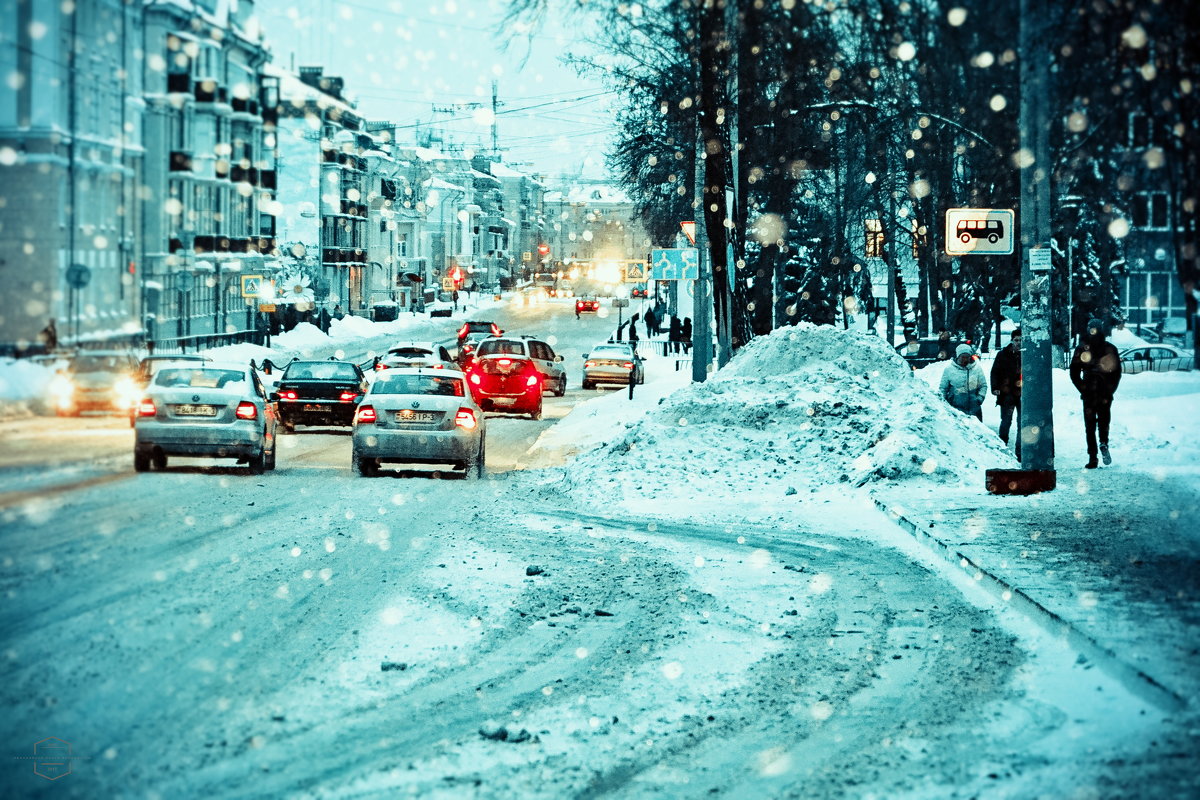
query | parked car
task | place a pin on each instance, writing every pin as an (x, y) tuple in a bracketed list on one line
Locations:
[(586, 305), (923, 352), (549, 365), (95, 380), (416, 354), (150, 366), (212, 410), (319, 393), (502, 382), (418, 415), (612, 362), (1156, 358)]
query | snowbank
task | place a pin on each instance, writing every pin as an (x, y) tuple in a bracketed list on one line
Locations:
[(23, 388), (803, 408)]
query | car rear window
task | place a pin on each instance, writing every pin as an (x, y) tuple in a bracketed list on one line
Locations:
[(198, 378), (611, 352), (321, 370), (501, 347), (419, 384), (411, 352)]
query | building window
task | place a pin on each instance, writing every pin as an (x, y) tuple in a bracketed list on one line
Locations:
[(874, 229), (1158, 210), (1149, 210), (1140, 132)]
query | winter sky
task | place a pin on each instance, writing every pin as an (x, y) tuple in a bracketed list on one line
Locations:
[(400, 59)]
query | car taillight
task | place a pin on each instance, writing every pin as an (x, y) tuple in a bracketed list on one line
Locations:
[(438, 366), (366, 414), (247, 410), (495, 330), (532, 380), (474, 376), (287, 395), (346, 397), (589, 364), (146, 408), (465, 419), (463, 331), (380, 366), (628, 365)]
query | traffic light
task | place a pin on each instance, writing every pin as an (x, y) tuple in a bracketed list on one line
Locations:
[(543, 249)]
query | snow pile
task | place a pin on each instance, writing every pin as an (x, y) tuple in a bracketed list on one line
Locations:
[(801, 409), (23, 388)]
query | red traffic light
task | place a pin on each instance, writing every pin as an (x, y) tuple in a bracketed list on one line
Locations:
[(543, 249)]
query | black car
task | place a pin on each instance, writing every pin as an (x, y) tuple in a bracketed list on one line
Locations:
[(923, 352), (319, 393)]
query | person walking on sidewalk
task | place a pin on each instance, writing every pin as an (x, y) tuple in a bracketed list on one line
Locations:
[(963, 385), (685, 334), (1006, 386), (1096, 371), (675, 334), (651, 323)]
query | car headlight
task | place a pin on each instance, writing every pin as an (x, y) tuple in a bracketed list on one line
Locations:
[(126, 393), (62, 390)]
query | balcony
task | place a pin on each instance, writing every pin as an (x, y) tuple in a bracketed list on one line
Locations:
[(204, 243), (181, 161)]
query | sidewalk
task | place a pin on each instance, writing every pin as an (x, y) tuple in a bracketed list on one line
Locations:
[(1110, 559)]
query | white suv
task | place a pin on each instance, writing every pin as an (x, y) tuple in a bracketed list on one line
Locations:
[(554, 376)]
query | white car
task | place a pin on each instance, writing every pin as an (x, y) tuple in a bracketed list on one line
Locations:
[(613, 362), (416, 354), (418, 416), (1156, 358), (209, 409)]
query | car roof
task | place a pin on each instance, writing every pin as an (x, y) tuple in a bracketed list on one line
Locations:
[(453, 373), (423, 345), (318, 361), (176, 357)]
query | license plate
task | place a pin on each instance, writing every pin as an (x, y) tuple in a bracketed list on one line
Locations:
[(504, 401), (196, 411), (313, 407), (408, 415)]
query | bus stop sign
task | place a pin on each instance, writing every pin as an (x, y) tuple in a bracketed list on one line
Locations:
[(979, 231)]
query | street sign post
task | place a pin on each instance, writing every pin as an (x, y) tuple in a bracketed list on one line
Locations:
[(677, 264), (979, 231)]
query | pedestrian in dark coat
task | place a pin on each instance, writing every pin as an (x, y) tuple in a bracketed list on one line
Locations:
[(1006, 386), (651, 323), (685, 334), (323, 319), (1096, 371), (49, 336), (633, 334), (675, 334)]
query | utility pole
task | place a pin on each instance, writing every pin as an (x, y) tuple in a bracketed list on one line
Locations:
[(702, 303), (711, 151), (1037, 411), (495, 118)]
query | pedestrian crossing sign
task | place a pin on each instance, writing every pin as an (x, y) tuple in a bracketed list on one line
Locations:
[(251, 285), (635, 273)]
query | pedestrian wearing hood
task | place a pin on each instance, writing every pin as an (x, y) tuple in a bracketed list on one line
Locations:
[(963, 384), (1096, 371), (1006, 386)]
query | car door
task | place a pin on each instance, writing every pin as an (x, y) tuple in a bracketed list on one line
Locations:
[(543, 356)]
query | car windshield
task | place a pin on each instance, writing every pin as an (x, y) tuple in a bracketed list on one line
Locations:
[(419, 384), (321, 371), (198, 378), (100, 363), (502, 347)]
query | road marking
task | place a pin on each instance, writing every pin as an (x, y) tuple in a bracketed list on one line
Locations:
[(9, 499)]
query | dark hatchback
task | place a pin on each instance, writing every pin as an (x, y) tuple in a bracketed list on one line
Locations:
[(319, 393)]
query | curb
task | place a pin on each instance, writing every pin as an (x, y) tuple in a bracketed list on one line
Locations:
[(1134, 679)]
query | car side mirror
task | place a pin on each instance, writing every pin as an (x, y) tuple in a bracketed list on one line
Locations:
[(585, 355)]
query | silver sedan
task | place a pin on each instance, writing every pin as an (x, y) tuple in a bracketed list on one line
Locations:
[(418, 416), (612, 362), (209, 410)]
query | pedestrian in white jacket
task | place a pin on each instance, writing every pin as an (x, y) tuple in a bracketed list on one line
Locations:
[(963, 383)]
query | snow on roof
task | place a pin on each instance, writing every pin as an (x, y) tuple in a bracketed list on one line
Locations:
[(597, 193), (291, 88), (502, 171)]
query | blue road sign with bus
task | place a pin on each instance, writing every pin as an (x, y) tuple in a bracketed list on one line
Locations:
[(676, 264)]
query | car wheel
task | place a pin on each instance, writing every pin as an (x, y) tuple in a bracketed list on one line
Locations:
[(537, 412), (159, 460), (270, 459), (474, 467), (258, 463), (363, 467), (141, 462), (588, 384), (288, 427), (562, 386)]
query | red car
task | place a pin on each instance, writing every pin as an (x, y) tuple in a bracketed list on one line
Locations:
[(586, 304), (506, 383)]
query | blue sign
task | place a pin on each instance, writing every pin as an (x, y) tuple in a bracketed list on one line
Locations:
[(680, 264)]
